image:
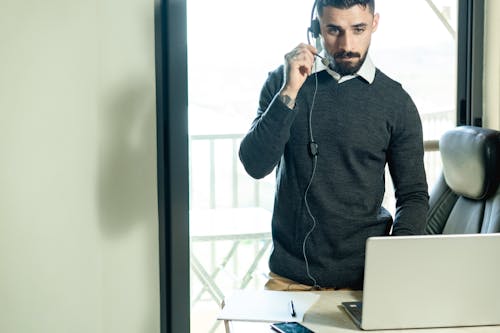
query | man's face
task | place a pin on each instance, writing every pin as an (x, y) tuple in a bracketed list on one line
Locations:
[(347, 36)]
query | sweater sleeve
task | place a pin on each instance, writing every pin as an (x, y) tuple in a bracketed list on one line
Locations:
[(405, 160), (262, 147)]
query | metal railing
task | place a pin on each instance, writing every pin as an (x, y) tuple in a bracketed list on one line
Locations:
[(237, 177), (239, 181)]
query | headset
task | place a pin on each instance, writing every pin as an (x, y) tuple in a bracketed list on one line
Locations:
[(314, 29)]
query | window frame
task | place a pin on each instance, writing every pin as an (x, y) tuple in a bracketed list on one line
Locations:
[(172, 163), (470, 62), (172, 139)]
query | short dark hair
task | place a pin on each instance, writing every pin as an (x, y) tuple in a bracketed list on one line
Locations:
[(344, 4)]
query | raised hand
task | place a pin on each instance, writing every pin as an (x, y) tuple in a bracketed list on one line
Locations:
[(298, 66)]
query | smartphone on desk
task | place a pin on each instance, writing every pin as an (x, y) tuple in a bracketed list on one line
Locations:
[(290, 327)]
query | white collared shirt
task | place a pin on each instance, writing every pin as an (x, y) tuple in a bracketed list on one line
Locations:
[(367, 70)]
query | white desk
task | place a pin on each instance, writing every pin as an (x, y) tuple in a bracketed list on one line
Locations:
[(327, 316)]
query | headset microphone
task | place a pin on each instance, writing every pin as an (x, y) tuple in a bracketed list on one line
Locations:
[(324, 60)]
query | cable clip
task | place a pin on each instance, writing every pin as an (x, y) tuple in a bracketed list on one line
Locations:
[(313, 148)]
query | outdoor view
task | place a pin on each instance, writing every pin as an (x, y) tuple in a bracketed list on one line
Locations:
[(232, 45)]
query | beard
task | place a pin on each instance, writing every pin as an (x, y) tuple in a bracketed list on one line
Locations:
[(346, 63)]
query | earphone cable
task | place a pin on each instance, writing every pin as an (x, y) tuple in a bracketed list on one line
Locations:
[(308, 234), (313, 172)]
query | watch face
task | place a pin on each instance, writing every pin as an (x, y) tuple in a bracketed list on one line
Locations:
[(291, 327)]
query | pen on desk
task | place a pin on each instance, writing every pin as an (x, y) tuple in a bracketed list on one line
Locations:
[(292, 309)]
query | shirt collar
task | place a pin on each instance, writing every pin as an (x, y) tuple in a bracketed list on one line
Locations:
[(367, 70)]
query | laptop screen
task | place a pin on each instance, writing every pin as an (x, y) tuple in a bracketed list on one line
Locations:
[(431, 281)]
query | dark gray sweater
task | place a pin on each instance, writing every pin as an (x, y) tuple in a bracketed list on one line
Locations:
[(359, 127)]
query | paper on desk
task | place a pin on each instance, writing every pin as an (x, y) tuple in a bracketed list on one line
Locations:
[(266, 305)]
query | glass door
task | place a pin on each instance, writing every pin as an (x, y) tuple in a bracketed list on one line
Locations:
[(232, 45)]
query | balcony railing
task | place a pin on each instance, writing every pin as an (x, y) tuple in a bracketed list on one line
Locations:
[(231, 187)]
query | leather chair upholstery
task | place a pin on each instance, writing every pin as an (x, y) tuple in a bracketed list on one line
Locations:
[(466, 198)]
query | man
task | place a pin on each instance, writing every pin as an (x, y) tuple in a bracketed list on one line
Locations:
[(329, 131)]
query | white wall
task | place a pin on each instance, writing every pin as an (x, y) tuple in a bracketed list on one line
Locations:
[(491, 88), (78, 212)]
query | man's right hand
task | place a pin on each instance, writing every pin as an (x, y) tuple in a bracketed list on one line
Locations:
[(298, 66)]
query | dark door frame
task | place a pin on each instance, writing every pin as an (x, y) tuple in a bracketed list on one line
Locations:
[(470, 62), (172, 163)]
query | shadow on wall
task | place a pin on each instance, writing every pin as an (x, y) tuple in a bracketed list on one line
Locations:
[(127, 184), (128, 207), (127, 181)]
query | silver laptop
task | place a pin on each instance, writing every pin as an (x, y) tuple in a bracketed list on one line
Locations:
[(429, 281)]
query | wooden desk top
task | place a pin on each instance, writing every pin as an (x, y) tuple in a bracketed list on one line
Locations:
[(327, 316)]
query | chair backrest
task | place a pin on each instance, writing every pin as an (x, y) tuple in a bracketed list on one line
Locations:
[(466, 198)]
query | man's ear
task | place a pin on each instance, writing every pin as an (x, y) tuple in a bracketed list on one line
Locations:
[(376, 17)]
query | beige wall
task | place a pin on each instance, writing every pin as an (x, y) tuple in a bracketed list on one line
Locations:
[(491, 88), (78, 217)]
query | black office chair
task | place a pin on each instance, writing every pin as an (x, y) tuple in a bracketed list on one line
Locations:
[(466, 198)]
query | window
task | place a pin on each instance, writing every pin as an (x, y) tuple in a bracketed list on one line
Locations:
[(229, 55), (416, 44)]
